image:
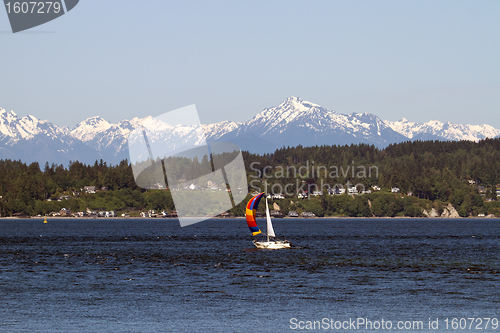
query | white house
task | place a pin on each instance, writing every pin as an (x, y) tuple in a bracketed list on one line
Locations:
[(353, 190), (89, 189), (111, 213), (395, 190)]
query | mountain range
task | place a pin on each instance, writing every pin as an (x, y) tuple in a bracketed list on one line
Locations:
[(291, 123)]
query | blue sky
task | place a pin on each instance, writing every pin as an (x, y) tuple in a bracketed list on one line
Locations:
[(120, 59)]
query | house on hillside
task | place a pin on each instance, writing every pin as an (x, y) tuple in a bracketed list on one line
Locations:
[(481, 190), (352, 190), (89, 189), (65, 212), (276, 213), (307, 214), (395, 190)]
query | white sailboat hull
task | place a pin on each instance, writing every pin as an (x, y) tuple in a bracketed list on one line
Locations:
[(272, 244)]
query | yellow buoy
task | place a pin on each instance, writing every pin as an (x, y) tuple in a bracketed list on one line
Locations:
[(44, 220)]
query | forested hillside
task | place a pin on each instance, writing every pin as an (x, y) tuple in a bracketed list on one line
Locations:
[(428, 174)]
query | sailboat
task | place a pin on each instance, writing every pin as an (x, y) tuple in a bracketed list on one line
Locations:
[(252, 224)]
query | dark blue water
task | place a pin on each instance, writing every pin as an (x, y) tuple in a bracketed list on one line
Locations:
[(153, 276)]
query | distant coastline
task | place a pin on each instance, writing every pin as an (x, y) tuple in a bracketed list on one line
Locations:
[(243, 218), (414, 179)]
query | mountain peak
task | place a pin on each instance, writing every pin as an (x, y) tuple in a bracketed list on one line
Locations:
[(7, 114), (290, 123), (94, 120), (95, 123), (293, 99), (297, 103), (87, 129), (289, 109)]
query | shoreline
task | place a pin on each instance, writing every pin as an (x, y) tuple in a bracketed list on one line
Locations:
[(241, 217)]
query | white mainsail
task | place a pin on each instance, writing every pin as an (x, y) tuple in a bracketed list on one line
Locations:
[(251, 221), (270, 230)]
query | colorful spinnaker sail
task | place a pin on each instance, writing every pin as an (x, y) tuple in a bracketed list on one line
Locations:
[(250, 213)]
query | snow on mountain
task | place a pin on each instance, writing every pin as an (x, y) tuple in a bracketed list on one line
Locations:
[(296, 121), (291, 123), (89, 128), (27, 127), (30, 139), (436, 130), (306, 115), (217, 130), (274, 120)]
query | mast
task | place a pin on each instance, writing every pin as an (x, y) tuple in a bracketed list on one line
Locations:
[(267, 217), (270, 230), (267, 214)]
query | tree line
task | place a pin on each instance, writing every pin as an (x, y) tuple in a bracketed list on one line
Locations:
[(431, 173)]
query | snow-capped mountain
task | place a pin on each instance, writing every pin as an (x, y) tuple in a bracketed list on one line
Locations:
[(295, 122), (291, 123), (29, 139), (26, 128), (436, 130), (217, 130)]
